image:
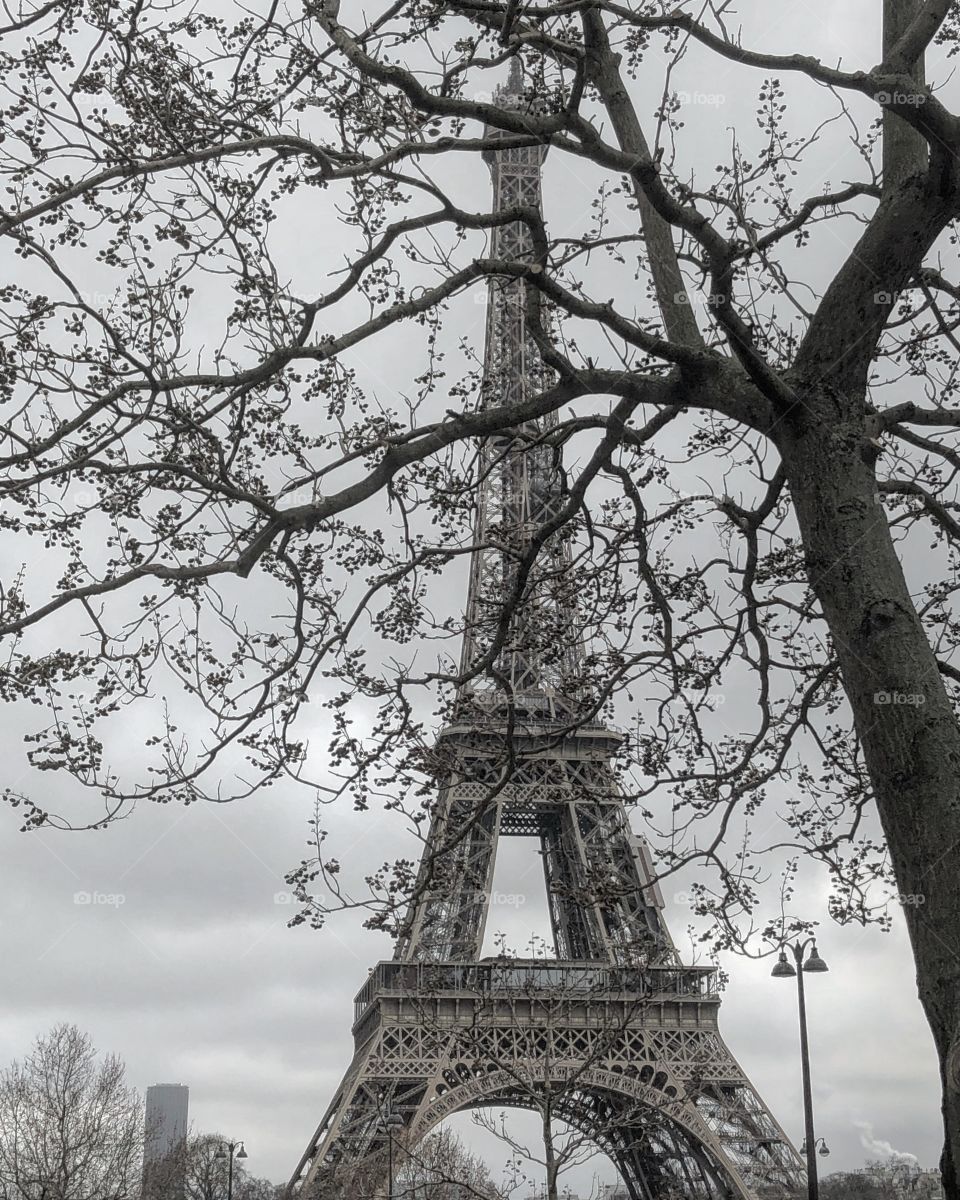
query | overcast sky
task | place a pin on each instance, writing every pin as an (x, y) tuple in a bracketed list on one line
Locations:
[(165, 937)]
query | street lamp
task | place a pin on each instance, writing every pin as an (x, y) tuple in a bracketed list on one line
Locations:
[(785, 970), (823, 1149), (390, 1122), (228, 1150)]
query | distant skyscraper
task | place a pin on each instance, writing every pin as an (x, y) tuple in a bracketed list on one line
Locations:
[(165, 1132)]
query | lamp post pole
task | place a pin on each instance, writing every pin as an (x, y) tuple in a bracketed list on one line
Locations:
[(390, 1122), (782, 970), (227, 1150), (813, 1183)]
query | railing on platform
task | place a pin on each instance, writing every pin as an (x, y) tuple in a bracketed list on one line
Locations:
[(512, 977)]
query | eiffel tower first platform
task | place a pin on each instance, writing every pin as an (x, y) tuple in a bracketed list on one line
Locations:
[(619, 1034)]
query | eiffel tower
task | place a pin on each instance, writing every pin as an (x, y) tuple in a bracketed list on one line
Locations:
[(633, 1031)]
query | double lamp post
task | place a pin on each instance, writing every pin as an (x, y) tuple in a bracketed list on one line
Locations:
[(229, 1150), (784, 969)]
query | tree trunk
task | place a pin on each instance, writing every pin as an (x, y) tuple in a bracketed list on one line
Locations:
[(549, 1156), (904, 148), (906, 722)]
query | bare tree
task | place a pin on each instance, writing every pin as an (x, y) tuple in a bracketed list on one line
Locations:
[(205, 483), (853, 1185), (890, 1179), (70, 1126), (442, 1168), (199, 1174), (541, 1165), (253, 1188)]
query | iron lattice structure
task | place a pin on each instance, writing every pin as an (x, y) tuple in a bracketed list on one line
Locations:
[(616, 1032)]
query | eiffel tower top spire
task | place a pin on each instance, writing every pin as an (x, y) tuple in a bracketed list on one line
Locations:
[(535, 664)]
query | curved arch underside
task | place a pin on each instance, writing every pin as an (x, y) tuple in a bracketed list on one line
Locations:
[(656, 1157), (707, 1140), (663, 1146)]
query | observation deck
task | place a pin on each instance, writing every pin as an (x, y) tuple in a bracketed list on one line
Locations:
[(456, 991)]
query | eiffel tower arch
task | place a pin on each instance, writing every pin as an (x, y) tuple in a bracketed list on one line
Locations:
[(623, 1035)]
